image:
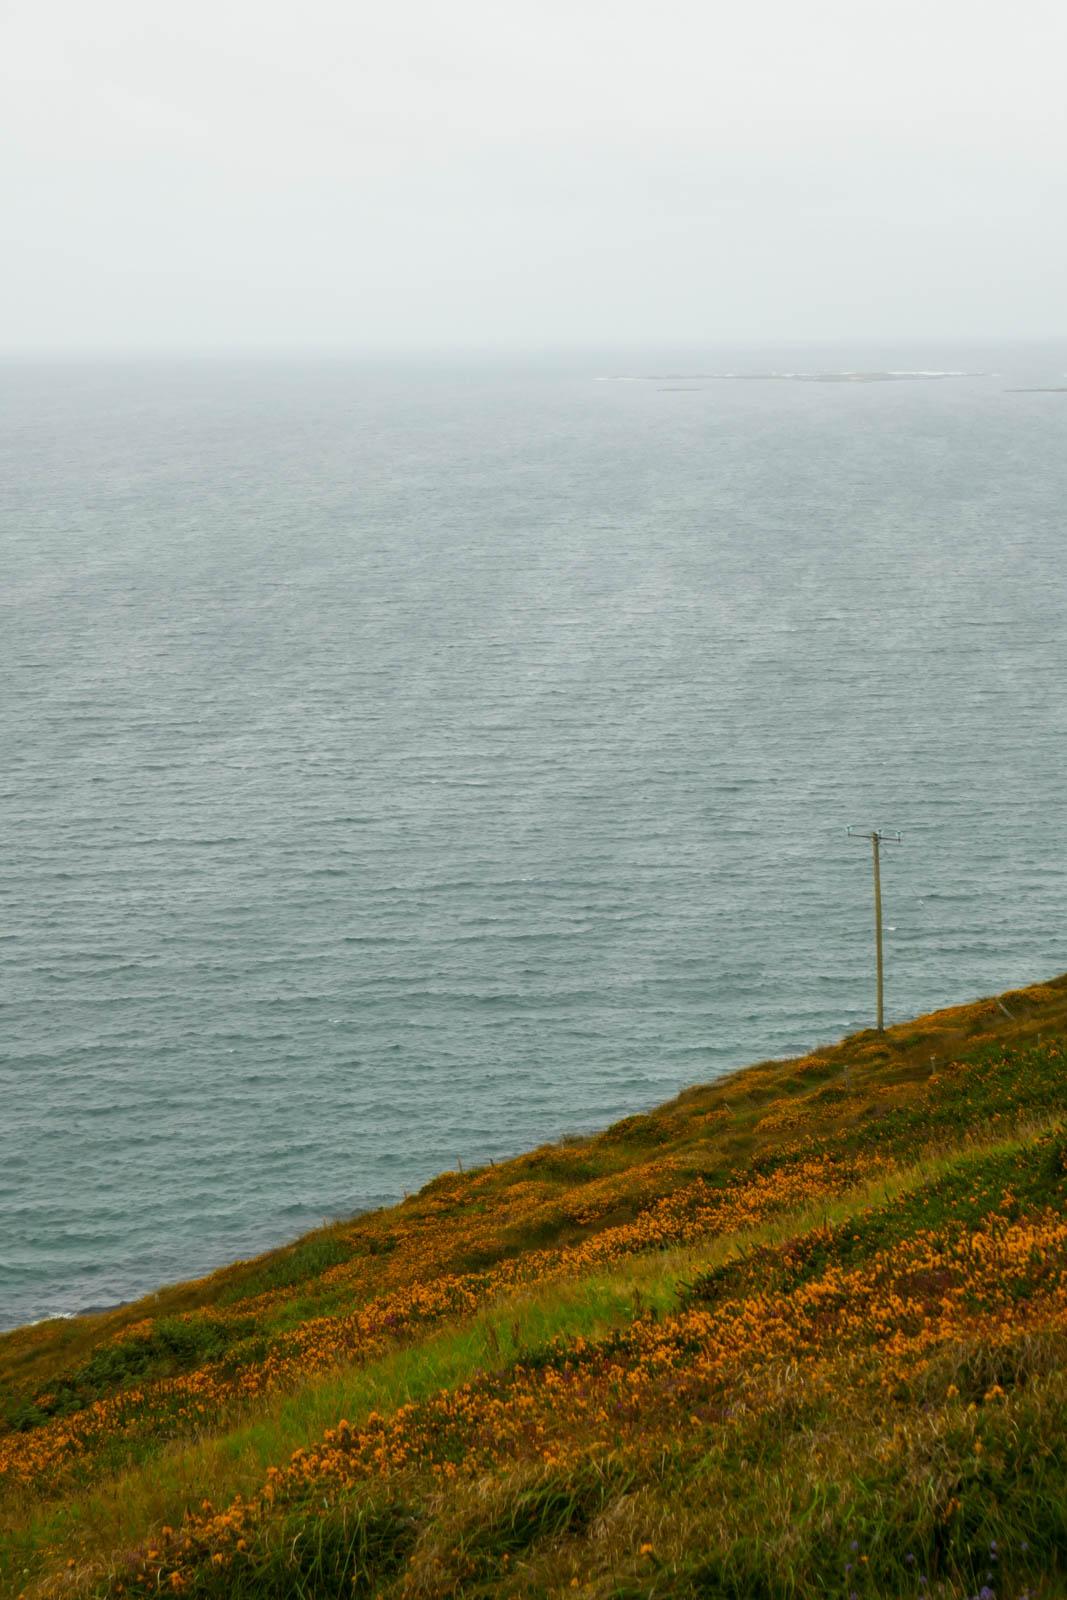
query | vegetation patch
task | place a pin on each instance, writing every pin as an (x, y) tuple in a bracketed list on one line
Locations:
[(800, 1333)]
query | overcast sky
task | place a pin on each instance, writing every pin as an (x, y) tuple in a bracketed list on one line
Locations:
[(233, 173)]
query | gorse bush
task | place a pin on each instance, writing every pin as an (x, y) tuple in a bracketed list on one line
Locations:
[(800, 1333), (168, 1345)]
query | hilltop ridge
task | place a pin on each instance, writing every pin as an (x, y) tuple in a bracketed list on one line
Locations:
[(797, 1332)]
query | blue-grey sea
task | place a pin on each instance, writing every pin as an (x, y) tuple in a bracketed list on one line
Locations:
[(406, 762)]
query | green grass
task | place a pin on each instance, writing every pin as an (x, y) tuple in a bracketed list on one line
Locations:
[(534, 1325), (933, 1129)]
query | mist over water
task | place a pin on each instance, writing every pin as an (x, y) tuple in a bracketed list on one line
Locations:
[(410, 763)]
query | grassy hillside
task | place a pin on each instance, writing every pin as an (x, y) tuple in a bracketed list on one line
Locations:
[(801, 1332)]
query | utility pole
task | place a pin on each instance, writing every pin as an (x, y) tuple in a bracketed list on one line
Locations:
[(878, 837)]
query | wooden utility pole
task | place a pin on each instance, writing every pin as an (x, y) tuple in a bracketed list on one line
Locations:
[(878, 836)]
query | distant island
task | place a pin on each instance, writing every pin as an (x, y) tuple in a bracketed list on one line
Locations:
[(791, 377)]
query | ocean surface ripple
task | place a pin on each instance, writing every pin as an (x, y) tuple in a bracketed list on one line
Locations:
[(406, 764)]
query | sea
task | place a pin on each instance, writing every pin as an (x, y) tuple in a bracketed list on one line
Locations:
[(410, 760)]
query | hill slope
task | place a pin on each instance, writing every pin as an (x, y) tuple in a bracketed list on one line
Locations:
[(800, 1332)]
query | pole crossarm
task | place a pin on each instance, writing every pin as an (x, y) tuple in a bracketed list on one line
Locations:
[(878, 837)]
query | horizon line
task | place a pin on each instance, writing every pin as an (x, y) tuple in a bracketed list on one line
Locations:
[(497, 348)]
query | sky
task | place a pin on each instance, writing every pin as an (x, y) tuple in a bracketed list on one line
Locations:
[(242, 174)]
